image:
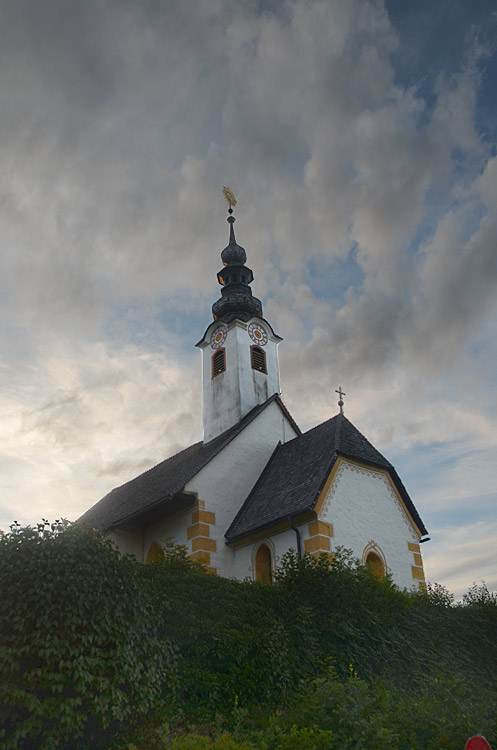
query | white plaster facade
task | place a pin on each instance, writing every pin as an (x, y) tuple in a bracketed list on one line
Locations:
[(224, 484), (227, 397), (363, 507)]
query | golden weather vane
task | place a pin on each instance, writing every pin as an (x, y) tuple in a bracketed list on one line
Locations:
[(229, 195)]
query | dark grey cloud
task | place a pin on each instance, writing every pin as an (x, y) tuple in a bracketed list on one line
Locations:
[(119, 123)]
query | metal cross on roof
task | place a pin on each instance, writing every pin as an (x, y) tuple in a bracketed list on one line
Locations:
[(340, 401)]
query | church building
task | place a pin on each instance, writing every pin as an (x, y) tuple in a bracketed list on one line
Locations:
[(257, 486)]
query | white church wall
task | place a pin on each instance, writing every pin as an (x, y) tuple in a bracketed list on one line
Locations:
[(227, 480), (363, 507), (129, 540)]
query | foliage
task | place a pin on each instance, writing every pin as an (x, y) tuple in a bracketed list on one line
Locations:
[(439, 595), (93, 643), (79, 651), (329, 713), (375, 714), (480, 596)]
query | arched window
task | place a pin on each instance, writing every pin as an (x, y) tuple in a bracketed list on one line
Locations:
[(155, 552), (263, 568), (258, 359), (376, 564), (218, 362)]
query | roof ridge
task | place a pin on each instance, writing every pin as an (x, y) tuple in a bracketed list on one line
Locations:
[(338, 430), (177, 469), (297, 471), (151, 468)]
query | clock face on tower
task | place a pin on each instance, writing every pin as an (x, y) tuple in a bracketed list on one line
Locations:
[(218, 336), (257, 334)]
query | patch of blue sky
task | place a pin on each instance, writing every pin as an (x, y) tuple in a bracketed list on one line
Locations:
[(439, 201), (436, 37), (152, 328), (332, 279), (458, 515), (435, 458), (441, 39), (188, 326)]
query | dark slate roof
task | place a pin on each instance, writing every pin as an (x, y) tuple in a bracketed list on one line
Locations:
[(297, 471), (161, 484)]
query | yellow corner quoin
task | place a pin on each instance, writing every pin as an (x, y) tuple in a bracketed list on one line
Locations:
[(199, 504), (201, 556), (422, 586), (198, 529), (203, 516), (320, 527), (317, 543), (329, 555), (418, 560), (414, 547), (212, 571), (418, 573), (201, 543)]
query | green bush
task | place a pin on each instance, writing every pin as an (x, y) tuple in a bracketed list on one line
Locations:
[(198, 742), (79, 652), (92, 643), (373, 715)]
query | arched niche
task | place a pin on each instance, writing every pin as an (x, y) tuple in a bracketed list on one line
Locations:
[(374, 557), (263, 563), (155, 552)]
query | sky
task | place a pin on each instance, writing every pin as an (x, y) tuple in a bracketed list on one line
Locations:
[(360, 140)]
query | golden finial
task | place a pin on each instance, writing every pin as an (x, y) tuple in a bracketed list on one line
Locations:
[(228, 194)]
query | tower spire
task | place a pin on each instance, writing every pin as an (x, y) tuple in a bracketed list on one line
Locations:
[(236, 299)]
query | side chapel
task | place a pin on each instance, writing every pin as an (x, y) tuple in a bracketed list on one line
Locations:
[(256, 485)]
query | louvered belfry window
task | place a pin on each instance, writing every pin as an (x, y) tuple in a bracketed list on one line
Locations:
[(258, 358), (218, 362)]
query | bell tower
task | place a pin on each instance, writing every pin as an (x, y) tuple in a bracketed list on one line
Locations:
[(239, 348)]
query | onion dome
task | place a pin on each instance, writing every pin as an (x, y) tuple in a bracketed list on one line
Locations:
[(236, 299), (233, 253)]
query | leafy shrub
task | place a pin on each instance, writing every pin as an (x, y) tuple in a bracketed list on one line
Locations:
[(92, 642), (198, 742), (354, 713), (480, 596), (79, 652)]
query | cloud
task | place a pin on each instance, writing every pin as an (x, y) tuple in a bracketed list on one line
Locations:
[(460, 555), (91, 420), (367, 204)]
